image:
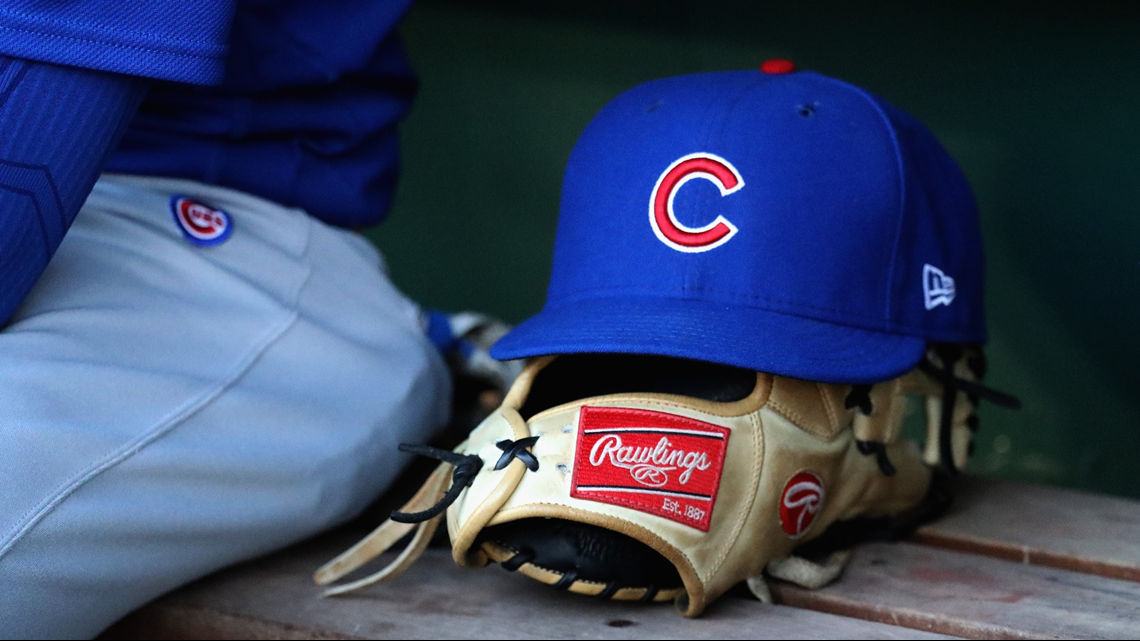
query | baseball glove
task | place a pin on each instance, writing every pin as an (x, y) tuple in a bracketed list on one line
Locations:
[(653, 479)]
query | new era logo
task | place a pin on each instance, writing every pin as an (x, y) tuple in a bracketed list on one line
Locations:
[(937, 286)]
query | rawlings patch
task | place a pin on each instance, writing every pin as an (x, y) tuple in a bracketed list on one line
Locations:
[(650, 461), (800, 502), (201, 224)]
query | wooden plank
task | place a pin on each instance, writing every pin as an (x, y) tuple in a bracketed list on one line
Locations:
[(173, 621), (275, 598), (962, 594), (923, 588), (1042, 526)]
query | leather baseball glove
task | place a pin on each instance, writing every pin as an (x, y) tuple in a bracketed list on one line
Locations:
[(653, 479)]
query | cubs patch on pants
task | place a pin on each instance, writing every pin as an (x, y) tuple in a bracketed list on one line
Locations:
[(200, 377)]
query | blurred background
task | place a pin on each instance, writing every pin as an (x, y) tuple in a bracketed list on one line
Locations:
[(1039, 103)]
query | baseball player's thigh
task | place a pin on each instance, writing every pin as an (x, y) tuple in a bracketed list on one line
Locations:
[(168, 408)]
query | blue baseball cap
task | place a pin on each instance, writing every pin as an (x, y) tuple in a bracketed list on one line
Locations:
[(777, 220)]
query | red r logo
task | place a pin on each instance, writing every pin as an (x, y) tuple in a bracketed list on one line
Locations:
[(665, 224), (800, 502)]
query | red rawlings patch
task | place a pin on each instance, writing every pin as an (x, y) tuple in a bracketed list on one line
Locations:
[(800, 502), (650, 461)]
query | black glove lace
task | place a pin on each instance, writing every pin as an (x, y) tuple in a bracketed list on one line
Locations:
[(466, 467), (945, 375), (949, 354), (860, 397), (517, 449)]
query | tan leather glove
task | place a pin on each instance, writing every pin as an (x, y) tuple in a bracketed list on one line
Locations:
[(653, 497)]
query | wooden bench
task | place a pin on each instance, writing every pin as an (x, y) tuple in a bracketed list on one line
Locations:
[(1009, 561)]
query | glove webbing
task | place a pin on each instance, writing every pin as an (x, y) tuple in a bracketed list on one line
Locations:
[(949, 354), (860, 397)]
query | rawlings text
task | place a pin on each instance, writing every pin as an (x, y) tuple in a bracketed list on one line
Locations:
[(648, 465)]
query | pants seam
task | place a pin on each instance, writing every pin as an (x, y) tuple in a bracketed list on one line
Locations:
[(37, 514)]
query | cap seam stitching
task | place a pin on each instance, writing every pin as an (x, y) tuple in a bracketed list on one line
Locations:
[(901, 182), (728, 295), (872, 324), (572, 348), (708, 137)]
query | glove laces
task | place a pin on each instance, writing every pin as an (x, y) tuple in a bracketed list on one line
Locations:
[(466, 467), (949, 354)]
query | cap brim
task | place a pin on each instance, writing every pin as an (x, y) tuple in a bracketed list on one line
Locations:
[(755, 339)]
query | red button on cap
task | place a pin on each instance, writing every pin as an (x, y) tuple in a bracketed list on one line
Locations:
[(777, 65)]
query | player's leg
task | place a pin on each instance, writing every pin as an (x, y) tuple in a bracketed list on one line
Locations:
[(170, 408)]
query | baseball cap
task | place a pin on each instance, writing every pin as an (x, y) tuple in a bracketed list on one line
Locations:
[(778, 220)]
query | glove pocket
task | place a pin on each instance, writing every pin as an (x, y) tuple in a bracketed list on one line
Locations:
[(641, 498)]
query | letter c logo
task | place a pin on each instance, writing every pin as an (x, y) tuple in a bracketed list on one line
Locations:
[(665, 224)]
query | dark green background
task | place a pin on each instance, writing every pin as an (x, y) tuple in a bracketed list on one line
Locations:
[(1040, 103)]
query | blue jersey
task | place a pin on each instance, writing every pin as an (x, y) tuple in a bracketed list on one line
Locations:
[(167, 39), (292, 100)]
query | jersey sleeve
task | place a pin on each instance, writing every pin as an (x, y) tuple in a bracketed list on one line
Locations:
[(59, 123), (178, 40)]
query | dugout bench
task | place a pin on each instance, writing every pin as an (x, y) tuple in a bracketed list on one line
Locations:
[(1010, 560)]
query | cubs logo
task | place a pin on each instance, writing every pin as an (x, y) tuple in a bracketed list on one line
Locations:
[(800, 502), (201, 224), (665, 224)]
